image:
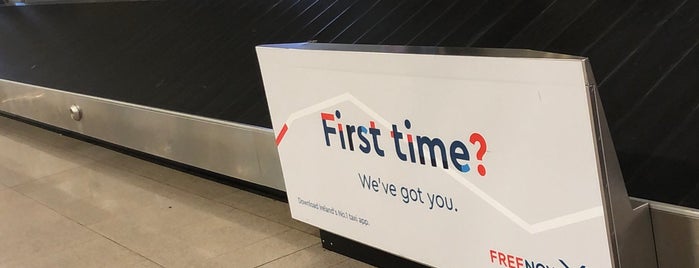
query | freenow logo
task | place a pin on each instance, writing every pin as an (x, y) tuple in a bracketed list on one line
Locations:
[(408, 147), (512, 261)]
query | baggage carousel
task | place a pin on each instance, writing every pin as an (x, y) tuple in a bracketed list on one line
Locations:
[(179, 80)]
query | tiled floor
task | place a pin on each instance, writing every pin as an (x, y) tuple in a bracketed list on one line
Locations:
[(67, 203)]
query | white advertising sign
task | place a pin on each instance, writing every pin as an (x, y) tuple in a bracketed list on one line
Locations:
[(448, 160)]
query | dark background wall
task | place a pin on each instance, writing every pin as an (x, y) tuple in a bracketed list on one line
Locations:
[(198, 57)]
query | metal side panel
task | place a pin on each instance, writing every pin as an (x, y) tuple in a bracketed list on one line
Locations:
[(676, 232), (237, 150), (629, 224)]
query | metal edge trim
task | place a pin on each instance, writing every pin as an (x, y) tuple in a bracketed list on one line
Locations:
[(146, 108), (233, 149), (590, 87), (669, 208), (427, 50)]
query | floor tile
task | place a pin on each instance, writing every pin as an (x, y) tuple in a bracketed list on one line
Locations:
[(11, 178), (37, 160), (197, 205), (185, 232), (151, 242), (164, 219), (315, 256), (196, 185), (94, 152), (266, 208), (265, 251), (187, 239), (228, 232), (12, 201), (135, 165), (54, 151), (190, 183), (92, 193), (146, 264), (99, 252), (14, 128), (49, 140), (30, 229)]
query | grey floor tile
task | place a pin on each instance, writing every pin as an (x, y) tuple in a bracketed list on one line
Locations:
[(314, 256), (92, 193), (192, 184), (146, 264), (151, 242), (30, 229), (37, 160), (236, 229), (12, 202), (99, 252), (49, 141), (265, 251), (11, 178), (266, 208)]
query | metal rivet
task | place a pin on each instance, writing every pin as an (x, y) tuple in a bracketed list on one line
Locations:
[(75, 112)]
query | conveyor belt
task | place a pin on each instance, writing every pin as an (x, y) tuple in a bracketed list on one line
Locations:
[(197, 57)]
